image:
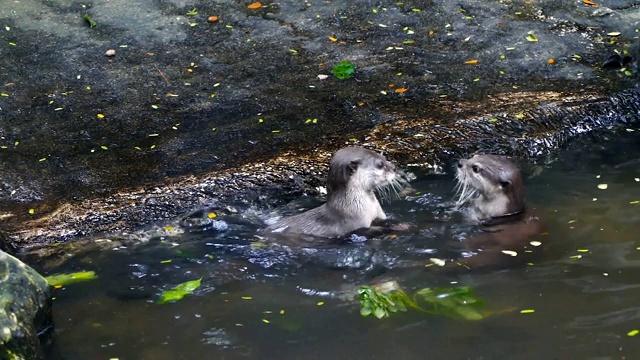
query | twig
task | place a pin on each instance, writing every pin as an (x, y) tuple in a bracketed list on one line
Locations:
[(163, 76)]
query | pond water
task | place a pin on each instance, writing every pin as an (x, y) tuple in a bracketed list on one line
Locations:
[(287, 303)]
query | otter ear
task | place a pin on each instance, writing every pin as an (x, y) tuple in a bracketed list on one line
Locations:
[(353, 166), (342, 174)]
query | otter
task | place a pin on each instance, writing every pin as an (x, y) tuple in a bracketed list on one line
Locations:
[(355, 173), (491, 194)]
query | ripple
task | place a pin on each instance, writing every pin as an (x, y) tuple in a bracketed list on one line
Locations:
[(606, 319)]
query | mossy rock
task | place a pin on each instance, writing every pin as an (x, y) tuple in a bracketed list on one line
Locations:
[(25, 309)]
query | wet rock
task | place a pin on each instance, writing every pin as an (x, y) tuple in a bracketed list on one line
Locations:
[(195, 110), (25, 309)]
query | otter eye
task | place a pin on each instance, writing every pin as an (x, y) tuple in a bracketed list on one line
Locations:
[(380, 164), (475, 168)]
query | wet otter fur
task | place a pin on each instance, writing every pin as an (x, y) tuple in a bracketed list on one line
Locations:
[(491, 193), (355, 174)]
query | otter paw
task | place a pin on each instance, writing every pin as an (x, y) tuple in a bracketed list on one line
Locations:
[(400, 227)]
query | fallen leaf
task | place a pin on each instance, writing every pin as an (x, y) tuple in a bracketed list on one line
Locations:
[(255, 5), (212, 19), (589, 2), (471, 62), (401, 90), (531, 37)]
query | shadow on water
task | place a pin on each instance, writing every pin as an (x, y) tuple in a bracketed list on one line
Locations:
[(270, 301)]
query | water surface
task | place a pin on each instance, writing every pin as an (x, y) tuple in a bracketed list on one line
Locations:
[(279, 302)]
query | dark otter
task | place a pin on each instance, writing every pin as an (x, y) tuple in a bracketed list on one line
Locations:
[(491, 193), (354, 174)]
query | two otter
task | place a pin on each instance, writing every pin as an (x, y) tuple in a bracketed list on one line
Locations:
[(355, 174), (489, 187)]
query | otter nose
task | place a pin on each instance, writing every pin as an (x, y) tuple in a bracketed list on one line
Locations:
[(460, 164)]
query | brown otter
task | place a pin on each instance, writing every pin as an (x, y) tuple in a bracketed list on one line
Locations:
[(354, 174), (491, 190)]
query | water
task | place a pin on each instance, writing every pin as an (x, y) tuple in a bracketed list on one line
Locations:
[(278, 302)]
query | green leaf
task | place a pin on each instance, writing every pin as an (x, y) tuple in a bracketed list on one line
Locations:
[(179, 291), (90, 21), (468, 313), (344, 70), (67, 279), (365, 311), (379, 313), (531, 37), (455, 302)]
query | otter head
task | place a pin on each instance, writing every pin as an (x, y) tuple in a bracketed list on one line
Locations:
[(360, 169), (492, 184)]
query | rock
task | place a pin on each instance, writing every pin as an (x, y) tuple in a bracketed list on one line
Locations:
[(199, 110), (25, 309), (110, 53)]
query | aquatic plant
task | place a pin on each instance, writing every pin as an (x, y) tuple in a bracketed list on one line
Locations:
[(454, 302)]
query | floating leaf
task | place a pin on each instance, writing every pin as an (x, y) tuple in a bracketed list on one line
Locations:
[(454, 302), (255, 5), (527, 311), (401, 90), (589, 2), (179, 291), (471, 62), (614, 33), (90, 21), (344, 70), (633, 333), (603, 186), (531, 37), (67, 279), (381, 303)]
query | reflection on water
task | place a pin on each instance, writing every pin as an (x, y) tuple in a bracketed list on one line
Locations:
[(275, 301)]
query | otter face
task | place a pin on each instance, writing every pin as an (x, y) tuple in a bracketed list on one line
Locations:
[(492, 183), (361, 168)]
